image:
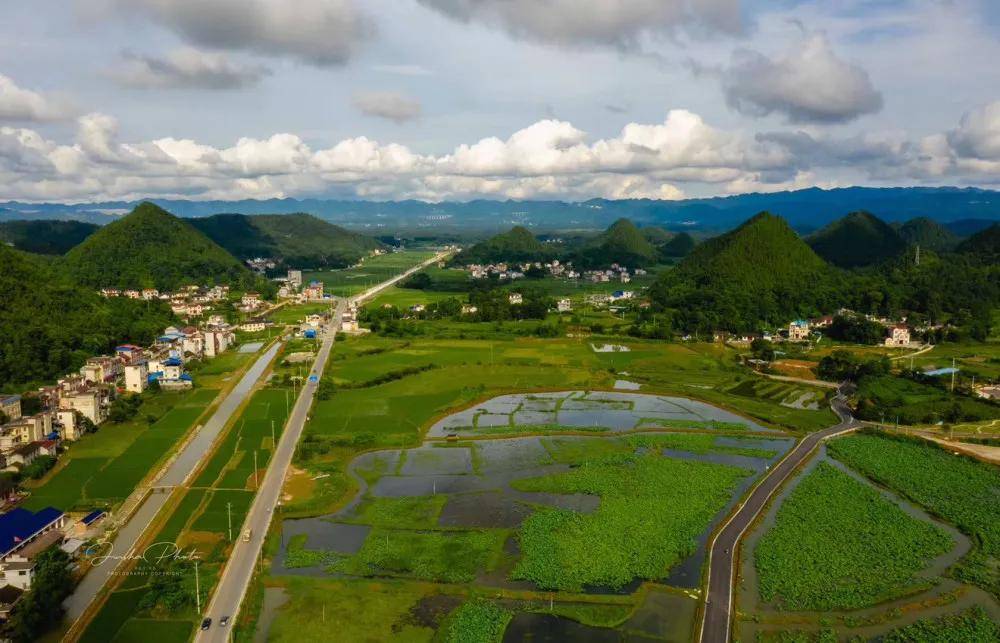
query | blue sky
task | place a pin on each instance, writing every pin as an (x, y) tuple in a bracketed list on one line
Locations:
[(459, 99)]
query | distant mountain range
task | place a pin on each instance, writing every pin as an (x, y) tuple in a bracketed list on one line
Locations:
[(967, 210)]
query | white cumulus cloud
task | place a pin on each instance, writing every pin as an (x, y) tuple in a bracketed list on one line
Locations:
[(19, 104)]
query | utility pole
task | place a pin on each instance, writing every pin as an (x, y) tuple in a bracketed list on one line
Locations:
[(918, 255), (197, 588), (274, 444), (952, 374), (229, 517), (255, 485)]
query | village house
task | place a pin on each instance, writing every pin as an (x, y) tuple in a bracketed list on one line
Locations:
[(798, 331), (24, 430), (899, 335), (468, 309), (137, 377), (150, 293), (564, 305), (253, 326), (250, 300), (314, 290), (100, 370), (295, 278), (87, 402), (111, 292), (10, 406), (515, 298)]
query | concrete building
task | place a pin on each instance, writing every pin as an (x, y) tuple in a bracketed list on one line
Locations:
[(137, 377), (515, 298), (564, 305), (10, 405), (899, 335), (87, 402), (798, 331), (295, 278)]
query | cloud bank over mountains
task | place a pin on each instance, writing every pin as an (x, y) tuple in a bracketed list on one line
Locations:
[(550, 158)]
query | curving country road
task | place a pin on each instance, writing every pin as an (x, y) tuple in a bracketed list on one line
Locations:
[(722, 559)]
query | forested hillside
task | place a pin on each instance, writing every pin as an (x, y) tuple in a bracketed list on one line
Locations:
[(49, 325), (294, 240), (760, 273), (622, 243), (45, 236), (152, 248), (928, 234), (518, 244), (859, 239)]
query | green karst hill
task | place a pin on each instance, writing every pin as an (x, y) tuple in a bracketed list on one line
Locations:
[(49, 325), (152, 248), (760, 272), (621, 243), (45, 236), (296, 240), (928, 234), (518, 244), (859, 239)]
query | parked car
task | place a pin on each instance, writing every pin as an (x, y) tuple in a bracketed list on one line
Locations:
[(224, 621), (207, 623)]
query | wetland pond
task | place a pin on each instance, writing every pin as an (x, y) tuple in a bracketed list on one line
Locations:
[(602, 494)]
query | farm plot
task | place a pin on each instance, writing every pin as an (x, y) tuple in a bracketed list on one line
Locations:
[(103, 468), (960, 490), (371, 271), (652, 509), (839, 544)]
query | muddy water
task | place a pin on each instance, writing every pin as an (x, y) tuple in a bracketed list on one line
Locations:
[(617, 411), (945, 597), (274, 599)]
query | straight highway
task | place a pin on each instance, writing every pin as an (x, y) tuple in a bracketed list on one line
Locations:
[(175, 473), (238, 572), (722, 555)]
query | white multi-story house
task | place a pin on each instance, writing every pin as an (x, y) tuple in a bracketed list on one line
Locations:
[(564, 305), (515, 298), (10, 405), (899, 335), (798, 331), (137, 377)]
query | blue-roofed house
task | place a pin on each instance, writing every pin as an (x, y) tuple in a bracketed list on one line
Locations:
[(19, 527)]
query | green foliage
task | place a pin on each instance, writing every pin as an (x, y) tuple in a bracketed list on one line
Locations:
[(985, 243), (970, 626), (478, 621), (445, 556), (912, 401), (518, 244), (844, 365), (652, 510), (124, 408), (759, 273), (152, 248), (40, 609), (45, 237), (414, 512), (693, 443), (49, 325), (38, 467), (296, 240), (839, 544), (297, 555), (960, 490), (928, 234), (621, 243), (859, 239), (856, 330)]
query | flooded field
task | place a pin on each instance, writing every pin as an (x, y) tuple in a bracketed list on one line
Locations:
[(596, 410), (650, 484)]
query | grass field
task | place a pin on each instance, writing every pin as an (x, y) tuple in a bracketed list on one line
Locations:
[(295, 313), (102, 468), (839, 544), (373, 270), (967, 626)]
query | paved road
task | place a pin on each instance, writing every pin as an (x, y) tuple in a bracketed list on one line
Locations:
[(175, 473), (239, 568), (722, 560)]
